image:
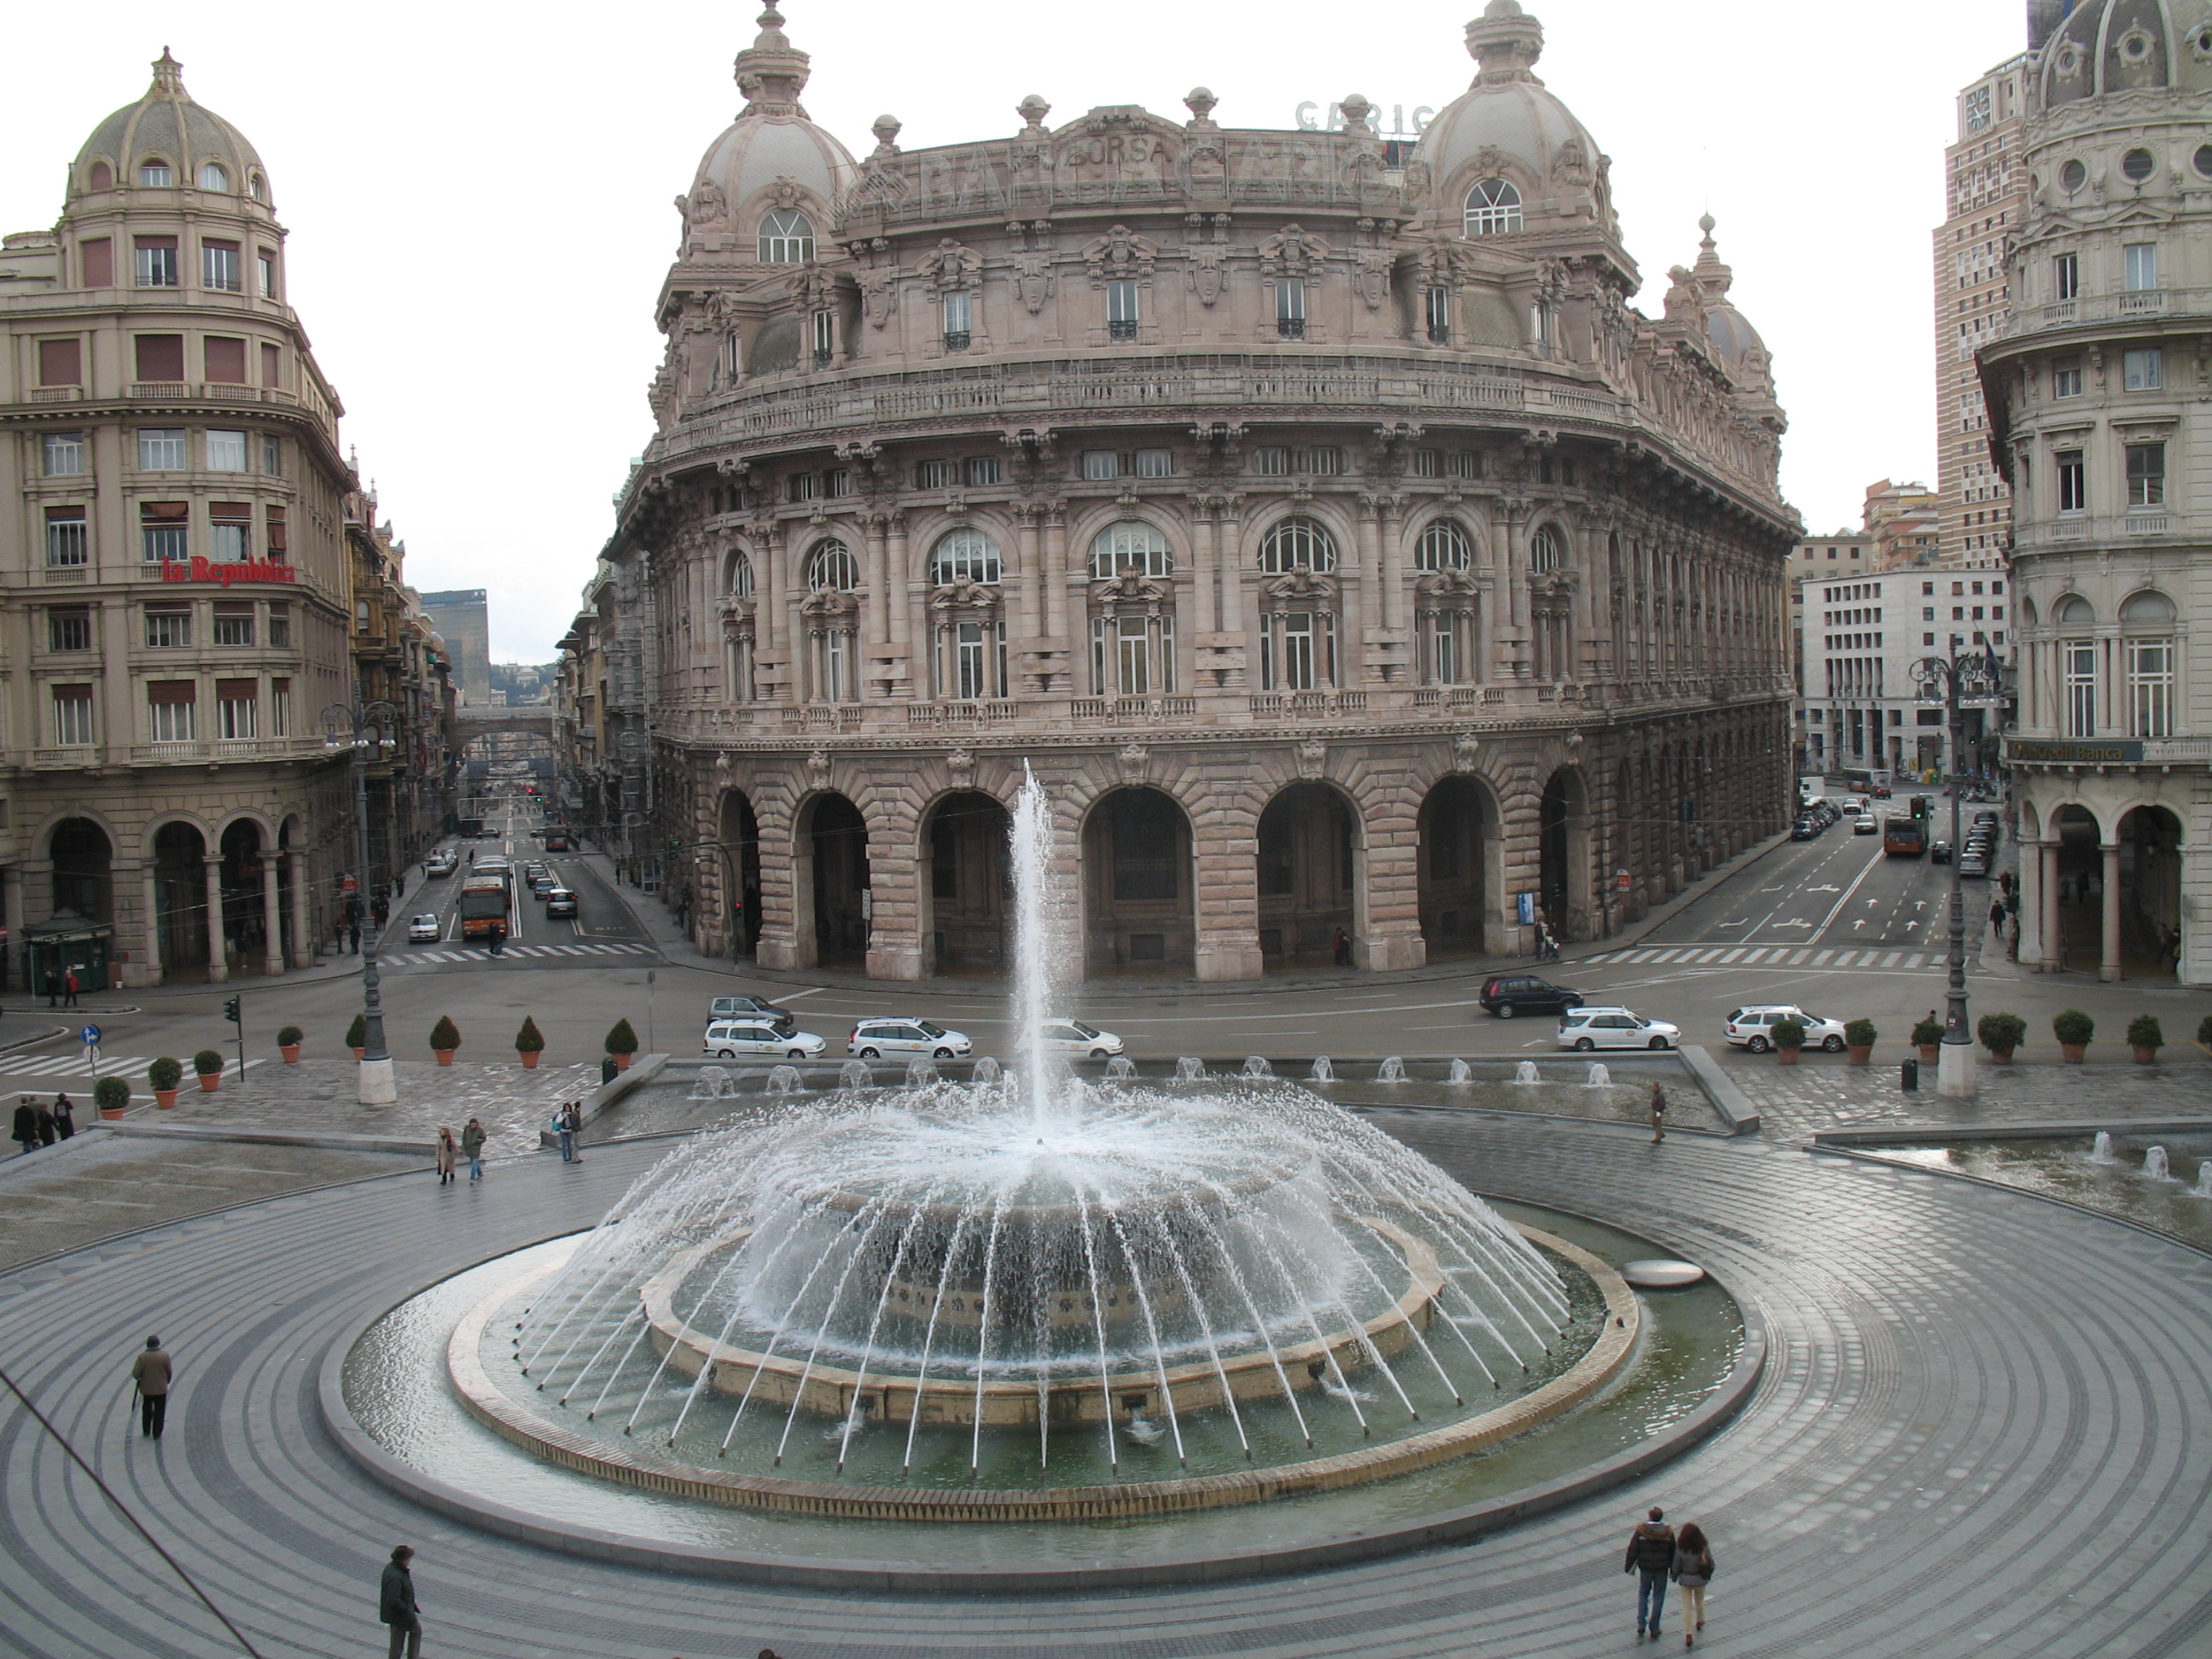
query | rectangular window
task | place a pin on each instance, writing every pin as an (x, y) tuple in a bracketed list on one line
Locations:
[(2078, 660), (1100, 464), (1290, 309), (171, 710), (1298, 653), (838, 480), (279, 543), (1155, 464), (968, 662), (1272, 461), (2150, 687), (2143, 370), (61, 362), (2066, 276), (266, 263), (2073, 482), (63, 455), (1436, 307), (219, 266), (273, 366), (226, 452), (801, 486), (2139, 267), (1099, 681), (280, 700), (825, 338), (1120, 311), (957, 320), (234, 625), (1467, 464), (238, 710), (169, 631), (1133, 658), (99, 256), (68, 544), (1429, 464), (361, 615), (1444, 654), (272, 456), (934, 474), (72, 716), (983, 470), (157, 261), (2066, 378), (69, 630), (1326, 462), (159, 357), (225, 357), (280, 626), (2146, 476), (162, 530), (230, 530)]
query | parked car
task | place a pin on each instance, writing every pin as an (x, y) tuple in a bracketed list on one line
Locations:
[(1868, 824), (1971, 863), (1747, 1028), (542, 883), (741, 1007), (424, 928), (872, 1038), (1593, 1027), (1804, 829), (1522, 993), (440, 864), (740, 1039), (1072, 1037), (1939, 852), (560, 902)]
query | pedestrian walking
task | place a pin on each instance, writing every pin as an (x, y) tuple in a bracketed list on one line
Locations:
[(395, 1606), (1658, 1114), (1339, 948), (26, 1130), (1652, 1556), (570, 1123), (150, 1375), (1997, 915), (54, 990), (69, 988), (48, 1132), (472, 1146), (448, 1156), (65, 1117), (1693, 1571)]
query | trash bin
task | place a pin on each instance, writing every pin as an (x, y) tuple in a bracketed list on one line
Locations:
[(608, 1069), (1908, 1076)]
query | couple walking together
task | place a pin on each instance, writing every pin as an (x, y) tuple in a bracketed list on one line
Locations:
[(1658, 1554)]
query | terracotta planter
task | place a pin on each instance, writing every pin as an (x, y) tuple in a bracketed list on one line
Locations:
[(165, 1099), (2072, 1053), (445, 1055), (1787, 1057), (1930, 1053), (2143, 1056), (111, 1114), (2000, 1056), (1862, 1056), (291, 1053), (621, 1061), (209, 1082), (358, 1053), (528, 1057)]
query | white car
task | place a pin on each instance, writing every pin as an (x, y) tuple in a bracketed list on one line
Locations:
[(1853, 806), (1747, 1027), (741, 1039), (873, 1038), (1072, 1037), (1867, 825), (1597, 1027), (424, 928)]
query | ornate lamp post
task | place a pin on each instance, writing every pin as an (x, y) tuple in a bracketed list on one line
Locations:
[(1966, 681), (367, 729)]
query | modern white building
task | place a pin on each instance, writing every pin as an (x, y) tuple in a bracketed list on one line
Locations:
[(1859, 708)]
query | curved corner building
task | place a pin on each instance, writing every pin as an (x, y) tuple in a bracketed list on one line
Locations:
[(1362, 574)]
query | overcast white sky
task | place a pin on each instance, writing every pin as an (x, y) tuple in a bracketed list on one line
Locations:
[(478, 195)]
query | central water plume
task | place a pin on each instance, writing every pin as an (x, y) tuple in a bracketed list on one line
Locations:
[(1035, 930)]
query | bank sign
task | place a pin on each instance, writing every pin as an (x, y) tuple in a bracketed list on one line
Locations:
[(225, 571), (2117, 753)]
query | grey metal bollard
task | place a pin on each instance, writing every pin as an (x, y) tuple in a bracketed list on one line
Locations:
[(1908, 1076)]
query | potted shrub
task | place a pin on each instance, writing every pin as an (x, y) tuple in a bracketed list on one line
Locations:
[(2001, 1033), (2204, 1034), (1928, 1037), (1787, 1036), (113, 1095), (162, 1076), (1859, 1037), (207, 1065), (357, 1035), (529, 1043), (2072, 1029), (445, 1037), (288, 1044), (2145, 1038), (621, 1043)]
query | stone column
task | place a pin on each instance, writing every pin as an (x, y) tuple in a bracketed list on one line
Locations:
[(150, 898), (2046, 915), (1226, 905), (272, 917), (897, 577), (11, 911), (303, 947), (219, 969), (1205, 558), (1355, 582), (1032, 620), (2109, 971), (1056, 569), (879, 597), (895, 926)]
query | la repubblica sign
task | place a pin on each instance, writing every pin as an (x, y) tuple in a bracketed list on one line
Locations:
[(227, 571)]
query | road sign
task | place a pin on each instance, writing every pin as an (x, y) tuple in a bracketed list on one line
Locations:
[(1621, 880), (90, 1035)]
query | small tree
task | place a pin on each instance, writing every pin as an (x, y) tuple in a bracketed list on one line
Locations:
[(1927, 1033), (357, 1033), (1788, 1034), (112, 1094), (2001, 1033), (621, 1040), (2144, 1032), (2074, 1028), (289, 1036), (529, 1039), (445, 1035), (1860, 1034), (165, 1074), (207, 1063)]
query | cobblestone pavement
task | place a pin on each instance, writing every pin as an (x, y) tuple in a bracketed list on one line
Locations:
[(1828, 1093), (1947, 1454)]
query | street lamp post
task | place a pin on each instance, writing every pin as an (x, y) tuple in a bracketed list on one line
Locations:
[(362, 729), (1968, 680)]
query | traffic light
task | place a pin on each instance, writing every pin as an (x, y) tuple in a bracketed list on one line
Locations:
[(230, 1011)]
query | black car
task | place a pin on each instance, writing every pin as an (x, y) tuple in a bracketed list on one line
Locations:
[(1803, 830), (1510, 995), (1939, 852)]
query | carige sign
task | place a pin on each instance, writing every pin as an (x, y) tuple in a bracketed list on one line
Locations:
[(225, 571), (1308, 121)]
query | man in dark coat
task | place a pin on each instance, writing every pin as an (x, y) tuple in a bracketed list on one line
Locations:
[(47, 1133), (1650, 1555), (150, 1373), (26, 1130), (395, 1606), (65, 1117)]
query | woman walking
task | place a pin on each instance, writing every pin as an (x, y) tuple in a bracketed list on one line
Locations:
[(448, 1155), (1693, 1571)]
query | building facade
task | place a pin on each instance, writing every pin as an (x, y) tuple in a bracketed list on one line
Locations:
[(174, 579), (461, 617), (1362, 574), (399, 659), (2097, 394)]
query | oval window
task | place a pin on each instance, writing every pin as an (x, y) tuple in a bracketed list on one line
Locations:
[(2072, 176), (2204, 159), (2137, 164)]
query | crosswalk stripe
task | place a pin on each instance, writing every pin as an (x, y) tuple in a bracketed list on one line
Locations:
[(1704, 957), (1643, 956), (1798, 955), (1732, 955), (1892, 958), (1821, 957), (1752, 955)]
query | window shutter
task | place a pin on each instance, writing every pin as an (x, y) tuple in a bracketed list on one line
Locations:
[(277, 542), (272, 364), (164, 512), (61, 362), (236, 691), (99, 263), (226, 361), (169, 693), (160, 356), (73, 694)]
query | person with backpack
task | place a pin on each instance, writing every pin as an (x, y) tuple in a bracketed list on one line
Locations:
[(1692, 1571), (1652, 1557)]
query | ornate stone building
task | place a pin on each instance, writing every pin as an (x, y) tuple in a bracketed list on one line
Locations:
[(2097, 392), (1319, 522)]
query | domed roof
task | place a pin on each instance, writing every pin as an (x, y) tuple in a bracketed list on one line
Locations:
[(1732, 336), (166, 125), (1509, 123), (772, 139), (2128, 45)]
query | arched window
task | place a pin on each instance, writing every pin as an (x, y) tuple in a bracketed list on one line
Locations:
[(214, 176), (966, 553), (1295, 541), (1544, 550), (2147, 656), (1493, 209), (155, 172), (1129, 546), (833, 569), (103, 176), (786, 239), (2075, 611), (257, 188), (1443, 546), (741, 576), (2148, 609)]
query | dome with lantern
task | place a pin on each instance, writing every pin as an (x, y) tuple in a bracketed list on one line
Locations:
[(2127, 46), (1731, 335), (765, 188), (165, 140), (1507, 154)]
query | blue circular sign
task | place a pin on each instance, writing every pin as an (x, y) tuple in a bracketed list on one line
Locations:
[(90, 1035)]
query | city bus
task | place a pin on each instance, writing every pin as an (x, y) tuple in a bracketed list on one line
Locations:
[(1906, 838), (485, 897)]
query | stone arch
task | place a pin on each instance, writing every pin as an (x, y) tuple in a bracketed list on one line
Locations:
[(966, 902), (1087, 523), (1310, 842), (737, 872), (923, 540), (2078, 833), (1562, 828), (82, 853), (830, 881), (2151, 836), (178, 847), (1139, 900), (244, 847), (1343, 531), (739, 575), (1462, 878)]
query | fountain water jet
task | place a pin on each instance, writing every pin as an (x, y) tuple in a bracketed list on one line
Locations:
[(1322, 1071), (713, 1084), (1121, 1067), (1599, 1078), (1461, 1072), (1526, 1072), (855, 1074), (2101, 1149), (2155, 1164), (1392, 1070), (786, 1080), (986, 1070), (1257, 1066), (1189, 1069), (2203, 1186)]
